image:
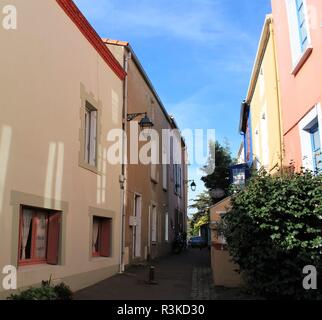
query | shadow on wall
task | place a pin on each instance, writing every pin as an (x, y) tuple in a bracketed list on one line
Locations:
[(54, 174), (5, 144)]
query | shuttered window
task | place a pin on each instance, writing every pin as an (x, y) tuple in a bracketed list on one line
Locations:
[(39, 234), (101, 237)]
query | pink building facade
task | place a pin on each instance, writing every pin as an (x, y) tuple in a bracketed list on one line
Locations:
[(299, 57)]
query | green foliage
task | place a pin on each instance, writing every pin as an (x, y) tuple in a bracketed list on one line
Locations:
[(274, 230), (217, 168), (200, 204), (45, 292), (217, 176)]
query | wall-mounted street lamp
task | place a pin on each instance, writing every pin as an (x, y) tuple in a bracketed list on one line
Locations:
[(193, 185), (145, 122)]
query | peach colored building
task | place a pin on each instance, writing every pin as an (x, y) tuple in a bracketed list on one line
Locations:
[(155, 194), (61, 93), (298, 36), (224, 269)]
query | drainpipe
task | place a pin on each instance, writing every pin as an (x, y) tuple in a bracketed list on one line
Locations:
[(278, 98), (123, 176)]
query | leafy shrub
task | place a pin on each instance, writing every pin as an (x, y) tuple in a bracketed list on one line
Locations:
[(45, 292), (63, 292), (274, 230)]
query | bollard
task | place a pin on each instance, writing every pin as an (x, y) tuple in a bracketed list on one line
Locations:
[(152, 280)]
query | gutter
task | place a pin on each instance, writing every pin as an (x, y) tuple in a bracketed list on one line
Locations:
[(123, 177)]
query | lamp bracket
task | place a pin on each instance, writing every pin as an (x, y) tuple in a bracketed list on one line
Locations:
[(132, 116)]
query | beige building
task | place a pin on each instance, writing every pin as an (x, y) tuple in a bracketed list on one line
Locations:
[(61, 93), (225, 271), (155, 195)]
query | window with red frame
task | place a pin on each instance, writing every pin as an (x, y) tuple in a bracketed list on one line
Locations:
[(101, 237), (38, 236)]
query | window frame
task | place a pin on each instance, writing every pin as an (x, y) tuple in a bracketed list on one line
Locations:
[(315, 129), (90, 113), (35, 221), (302, 25), (299, 52), (98, 254), (312, 118)]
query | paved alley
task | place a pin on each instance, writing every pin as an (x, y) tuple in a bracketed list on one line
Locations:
[(180, 277)]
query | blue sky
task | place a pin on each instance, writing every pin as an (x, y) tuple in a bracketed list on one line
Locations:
[(198, 53)]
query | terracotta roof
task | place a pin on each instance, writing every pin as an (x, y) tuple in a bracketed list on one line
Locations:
[(116, 42)]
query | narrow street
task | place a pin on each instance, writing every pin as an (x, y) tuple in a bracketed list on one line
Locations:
[(180, 277)]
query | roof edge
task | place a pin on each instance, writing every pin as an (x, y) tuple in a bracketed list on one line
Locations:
[(265, 35), (136, 60), (73, 12)]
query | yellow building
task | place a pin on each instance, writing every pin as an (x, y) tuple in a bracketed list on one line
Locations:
[(264, 104)]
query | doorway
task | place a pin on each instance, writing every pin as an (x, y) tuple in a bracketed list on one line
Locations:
[(137, 227)]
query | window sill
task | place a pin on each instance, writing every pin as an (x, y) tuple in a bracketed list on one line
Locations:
[(154, 181), (99, 258), (306, 54), (89, 167)]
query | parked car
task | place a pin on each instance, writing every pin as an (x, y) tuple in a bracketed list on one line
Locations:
[(197, 242)]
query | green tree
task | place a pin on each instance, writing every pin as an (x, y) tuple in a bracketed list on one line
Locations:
[(217, 168), (217, 176), (200, 205)]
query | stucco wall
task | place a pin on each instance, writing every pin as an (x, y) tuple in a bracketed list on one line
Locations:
[(140, 98), (48, 69), (300, 92), (224, 269), (265, 112)]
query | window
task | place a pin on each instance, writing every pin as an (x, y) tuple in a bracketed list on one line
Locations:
[(310, 134), (101, 237), (90, 134), (166, 227), (137, 228), (302, 24), (165, 159), (298, 31), (154, 224), (177, 179), (316, 147), (39, 236)]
